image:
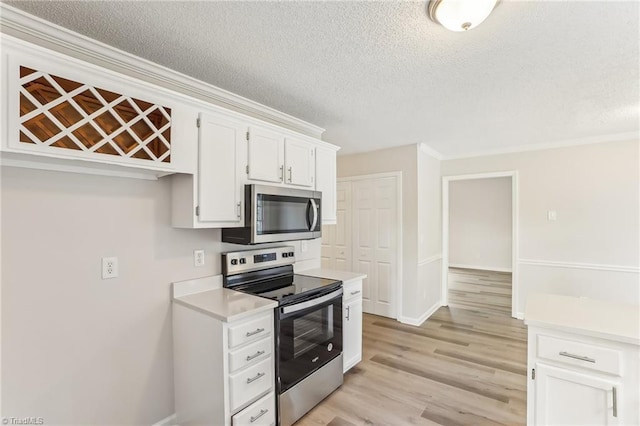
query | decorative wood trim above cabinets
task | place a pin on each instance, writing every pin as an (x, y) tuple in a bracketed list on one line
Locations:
[(36, 30)]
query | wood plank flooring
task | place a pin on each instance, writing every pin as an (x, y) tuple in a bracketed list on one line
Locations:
[(461, 367), (488, 291)]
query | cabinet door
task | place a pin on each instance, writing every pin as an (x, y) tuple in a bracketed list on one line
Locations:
[(352, 332), (266, 155), (564, 397), (299, 163), (221, 161), (326, 183)]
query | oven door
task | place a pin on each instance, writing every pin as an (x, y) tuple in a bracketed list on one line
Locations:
[(310, 335)]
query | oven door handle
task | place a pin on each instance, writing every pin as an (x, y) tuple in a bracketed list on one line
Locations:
[(310, 303)]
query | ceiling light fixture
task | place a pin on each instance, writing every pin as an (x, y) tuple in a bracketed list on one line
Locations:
[(460, 15)]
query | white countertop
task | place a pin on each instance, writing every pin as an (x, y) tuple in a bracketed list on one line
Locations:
[(226, 305), (332, 274), (592, 317)]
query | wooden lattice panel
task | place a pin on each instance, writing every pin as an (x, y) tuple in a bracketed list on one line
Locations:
[(65, 114)]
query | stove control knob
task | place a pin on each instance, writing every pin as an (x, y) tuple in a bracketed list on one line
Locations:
[(290, 254), (234, 261), (243, 260), (285, 254)]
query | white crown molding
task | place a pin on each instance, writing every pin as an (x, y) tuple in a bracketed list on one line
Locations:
[(430, 151), (39, 31), (614, 137), (575, 265)]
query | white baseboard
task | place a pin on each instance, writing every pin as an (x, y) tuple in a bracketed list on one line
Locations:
[(520, 315), (420, 320), (481, 268), (168, 421)]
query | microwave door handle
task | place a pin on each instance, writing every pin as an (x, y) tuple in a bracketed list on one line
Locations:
[(314, 206)]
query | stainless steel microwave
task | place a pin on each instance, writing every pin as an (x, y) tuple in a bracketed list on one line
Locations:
[(274, 214)]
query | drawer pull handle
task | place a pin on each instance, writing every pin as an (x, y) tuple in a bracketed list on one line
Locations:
[(260, 414), (355, 292), (253, 379), (253, 333), (581, 358), (256, 355)]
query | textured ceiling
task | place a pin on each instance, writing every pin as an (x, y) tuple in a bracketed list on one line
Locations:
[(379, 74)]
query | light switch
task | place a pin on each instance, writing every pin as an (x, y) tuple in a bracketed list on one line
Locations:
[(551, 215)]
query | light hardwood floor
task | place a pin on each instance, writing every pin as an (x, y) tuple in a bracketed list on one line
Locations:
[(484, 290), (461, 367)]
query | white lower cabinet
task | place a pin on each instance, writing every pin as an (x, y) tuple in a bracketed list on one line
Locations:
[(576, 379), (224, 372), (566, 397), (352, 324), (260, 413)]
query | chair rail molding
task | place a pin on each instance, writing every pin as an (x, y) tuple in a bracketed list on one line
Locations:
[(430, 259), (576, 265), (36, 30)]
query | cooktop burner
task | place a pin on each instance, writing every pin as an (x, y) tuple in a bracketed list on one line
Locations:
[(269, 273)]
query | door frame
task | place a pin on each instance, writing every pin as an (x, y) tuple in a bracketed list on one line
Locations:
[(513, 174), (399, 266)]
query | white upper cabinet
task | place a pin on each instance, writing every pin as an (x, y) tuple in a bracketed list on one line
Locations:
[(61, 107), (213, 196), (299, 162), (221, 159), (266, 155), (326, 182)]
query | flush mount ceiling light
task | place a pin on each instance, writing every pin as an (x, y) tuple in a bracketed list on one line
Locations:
[(460, 15)]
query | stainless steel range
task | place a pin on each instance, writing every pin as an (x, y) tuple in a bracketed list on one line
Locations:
[(308, 325)]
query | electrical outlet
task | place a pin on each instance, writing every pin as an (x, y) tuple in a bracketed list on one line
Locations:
[(198, 258), (109, 267), (552, 215)]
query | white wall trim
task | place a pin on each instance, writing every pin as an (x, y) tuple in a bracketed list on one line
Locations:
[(167, 421), (514, 231), (370, 176), (480, 268), (520, 315), (430, 259), (31, 28), (430, 151), (420, 320), (614, 137), (576, 265)]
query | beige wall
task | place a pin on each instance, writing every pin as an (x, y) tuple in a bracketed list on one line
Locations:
[(595, 191), (480, 223), (77, 349), (429, 233), (421, 220), (390, 160)]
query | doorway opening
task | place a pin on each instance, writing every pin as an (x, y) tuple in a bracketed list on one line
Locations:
[(480, 242)]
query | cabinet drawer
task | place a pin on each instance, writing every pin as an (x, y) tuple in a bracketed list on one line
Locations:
[(250, 354), (250, 383), (260, 413), (352, 290), (250, 331), (585, 355)]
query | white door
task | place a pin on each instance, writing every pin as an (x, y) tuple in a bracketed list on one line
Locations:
[(221, 159), (299, 157), (266, 155), (564, 397), (375, 242), (336, 239)]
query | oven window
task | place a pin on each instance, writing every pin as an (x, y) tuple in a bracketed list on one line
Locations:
[(278, 214), (311, 330)]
